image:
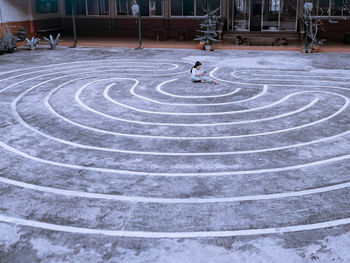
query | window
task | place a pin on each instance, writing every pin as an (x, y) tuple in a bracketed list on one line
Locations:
[(124, 7), (271, 11), (323, 8), (176, 8), (46, 6), (98, 7), (80, 7), (144, 7), (288, 15), (155, 7), (241, 15), (336, 7), (192, 7), (147, 7), (333, 8), (182, 7), (275, 5), (202, 5)]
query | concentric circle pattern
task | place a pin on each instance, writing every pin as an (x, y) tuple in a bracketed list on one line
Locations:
[(133, 148)]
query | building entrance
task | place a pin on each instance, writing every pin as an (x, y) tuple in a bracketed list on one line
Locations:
[(263, 15)]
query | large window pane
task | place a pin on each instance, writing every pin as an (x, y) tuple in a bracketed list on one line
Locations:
[(202, 5), (104, 7), (155, 7), (176, 7), (144, 7), (346, 8), (271, 14), (241, 14), (80, 7), (323, 8), (123, 7), (288, 15), (188, 7), (46, 6), (337, 6), (93, 7), (98, 7)]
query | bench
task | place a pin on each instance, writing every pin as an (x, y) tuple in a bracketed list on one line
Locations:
[(159, 34), (182, 34)]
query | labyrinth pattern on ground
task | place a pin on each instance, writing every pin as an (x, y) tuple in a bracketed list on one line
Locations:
[(133, 148)]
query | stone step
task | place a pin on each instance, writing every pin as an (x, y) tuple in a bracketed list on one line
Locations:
[(263, 38)]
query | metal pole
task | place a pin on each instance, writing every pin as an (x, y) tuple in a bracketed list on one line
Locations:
[(140, 37), (74, 26)]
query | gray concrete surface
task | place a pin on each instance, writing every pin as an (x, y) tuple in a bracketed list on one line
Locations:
[(114, 155)]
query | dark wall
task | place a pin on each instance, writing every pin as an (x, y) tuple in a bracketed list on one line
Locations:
[(128, 26), (48, 23), (335, 31)]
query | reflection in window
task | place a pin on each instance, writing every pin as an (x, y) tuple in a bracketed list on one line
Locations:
[(323, 8), (182, 7), (124, 7), (346, 8), (241, 15), (271, 15), (188, 7), (288, 15), (46, 6), (144, 7), (333, 8), (147, 7), (274, 5), (202, 5), (98, 7), (155, 7), (336, 7), (80, 7)]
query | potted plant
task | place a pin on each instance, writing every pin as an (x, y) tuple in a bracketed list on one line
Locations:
[(208, 27)]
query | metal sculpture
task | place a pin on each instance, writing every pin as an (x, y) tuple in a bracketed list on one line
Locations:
[(53, 42), (32, 43)]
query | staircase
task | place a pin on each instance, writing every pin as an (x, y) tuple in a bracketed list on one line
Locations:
[(265, 38)]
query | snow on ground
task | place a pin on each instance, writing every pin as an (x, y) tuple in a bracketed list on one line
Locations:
[(114, 155)]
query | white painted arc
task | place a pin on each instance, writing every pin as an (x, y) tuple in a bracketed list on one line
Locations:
[(162, 200), (83, 61), (289, 85), (294, 77), (159, 89), (108, 88), (306, 76), (172, 137), (145, 234), (168, 174), (57, 72), (22, 122), (133, 92), (193, 234), (83, 146), (82, 104)]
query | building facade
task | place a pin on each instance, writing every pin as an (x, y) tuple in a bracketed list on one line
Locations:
[(114, 17)]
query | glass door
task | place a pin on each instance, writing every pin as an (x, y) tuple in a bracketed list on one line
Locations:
[(271, 15), (240, 15), (255, 18)]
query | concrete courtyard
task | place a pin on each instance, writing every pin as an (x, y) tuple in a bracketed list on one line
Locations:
[(114, 155)]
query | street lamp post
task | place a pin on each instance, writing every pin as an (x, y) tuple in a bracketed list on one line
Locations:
[(136, 12), (74, 25)]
